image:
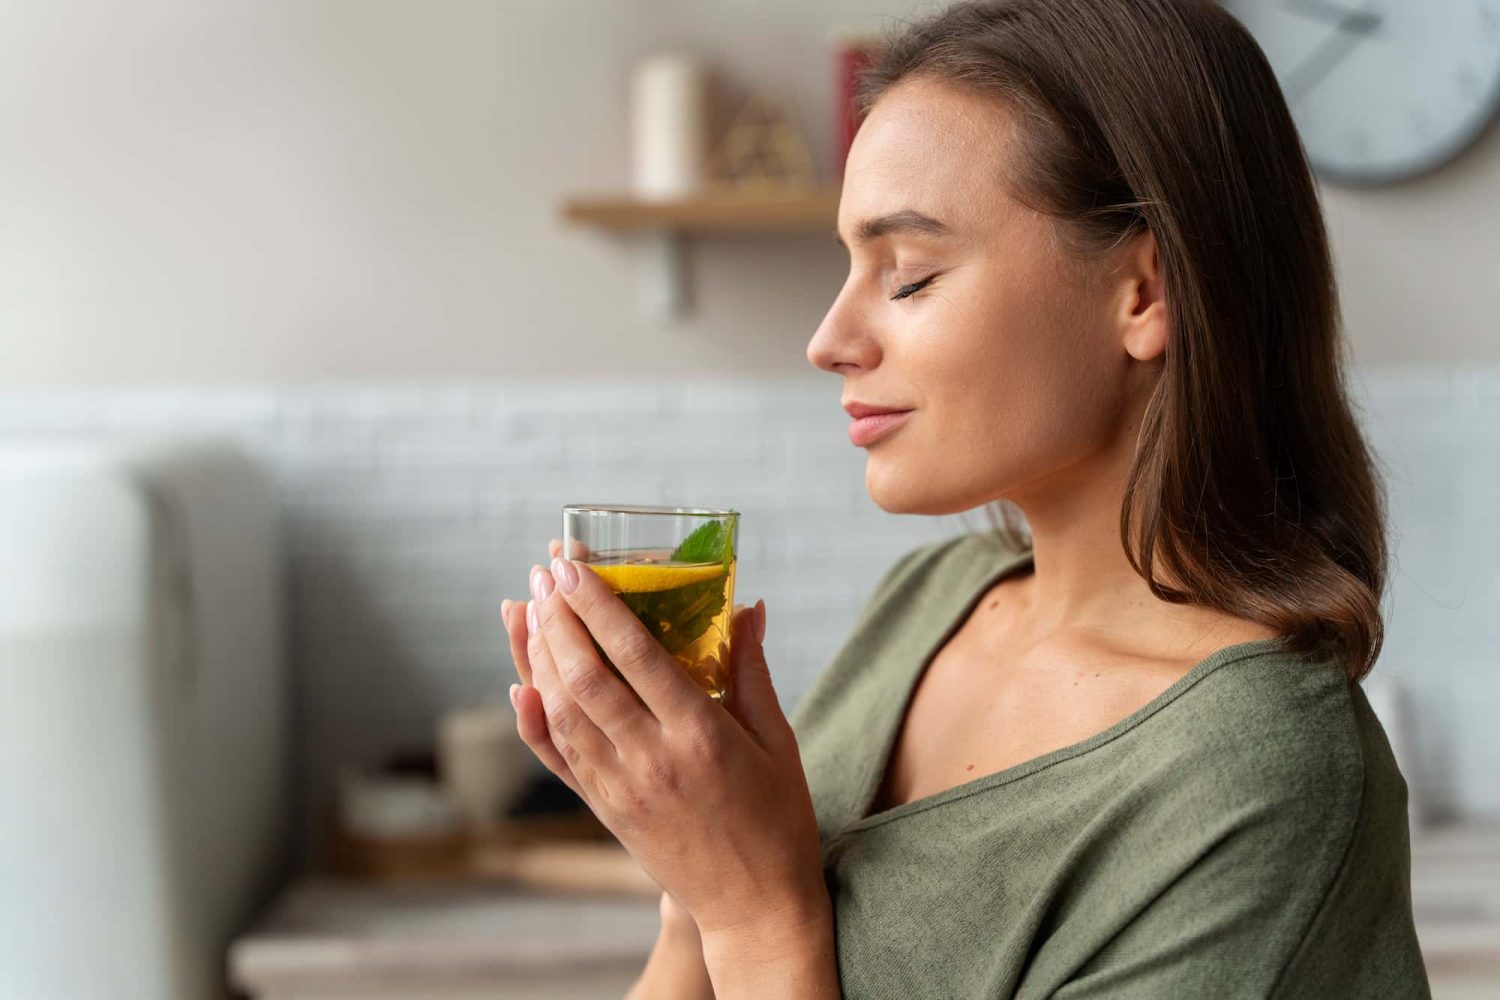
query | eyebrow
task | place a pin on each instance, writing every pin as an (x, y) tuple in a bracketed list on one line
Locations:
[(906, 220)]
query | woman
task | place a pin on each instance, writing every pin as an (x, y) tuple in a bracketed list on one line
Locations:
[(1121, 754)]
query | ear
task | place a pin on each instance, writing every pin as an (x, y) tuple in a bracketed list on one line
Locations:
[(1144, 320)]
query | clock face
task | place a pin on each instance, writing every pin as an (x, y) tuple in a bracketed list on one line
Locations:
[(1383, 89)]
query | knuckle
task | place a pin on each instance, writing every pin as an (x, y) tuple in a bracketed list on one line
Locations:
[(586, 681), (583, 602), (632, 805), (561, 718), (660, 776), (702, 743), (638, 647)]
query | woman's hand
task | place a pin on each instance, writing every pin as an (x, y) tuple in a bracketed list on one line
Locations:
[(531, 721), (709, 798), (675, 969)]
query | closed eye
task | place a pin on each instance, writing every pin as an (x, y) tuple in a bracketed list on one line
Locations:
[(908, 290)]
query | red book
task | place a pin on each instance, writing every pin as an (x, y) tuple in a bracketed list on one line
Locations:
[(853, 52)]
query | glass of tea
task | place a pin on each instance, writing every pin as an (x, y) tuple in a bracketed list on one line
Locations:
[(673, 567)]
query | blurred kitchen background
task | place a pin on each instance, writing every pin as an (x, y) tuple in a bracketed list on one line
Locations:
[(312, 316)]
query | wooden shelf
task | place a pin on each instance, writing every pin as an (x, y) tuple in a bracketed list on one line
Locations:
[(662, 226), (715, 211)]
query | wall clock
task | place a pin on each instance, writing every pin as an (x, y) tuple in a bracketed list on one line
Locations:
[(1382, 90)]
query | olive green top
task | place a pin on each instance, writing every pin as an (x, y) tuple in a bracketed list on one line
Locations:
[(1244, 834)]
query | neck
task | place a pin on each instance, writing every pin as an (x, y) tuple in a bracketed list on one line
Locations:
[(1081, 576)]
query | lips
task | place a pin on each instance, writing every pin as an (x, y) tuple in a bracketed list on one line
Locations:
[(867, 429), (858, 410)]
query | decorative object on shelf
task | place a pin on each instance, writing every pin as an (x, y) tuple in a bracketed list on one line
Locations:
[(394, 826), (569, 852), (482, 761), (763, 149), (759, 178), (854, 50), (380, 804), (669, 94), (1382, 92)]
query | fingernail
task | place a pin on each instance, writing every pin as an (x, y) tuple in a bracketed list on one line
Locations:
[(567, 576), (760, 621), (536, 582), (531, 616), (513, 689)]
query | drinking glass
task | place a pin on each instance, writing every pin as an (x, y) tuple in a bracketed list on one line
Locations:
[(674, 568)]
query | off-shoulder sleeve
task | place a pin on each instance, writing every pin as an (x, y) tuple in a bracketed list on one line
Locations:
[(1296, 879), (1226, 927)]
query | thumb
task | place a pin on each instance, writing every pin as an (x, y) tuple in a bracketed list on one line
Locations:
[(752, 699)]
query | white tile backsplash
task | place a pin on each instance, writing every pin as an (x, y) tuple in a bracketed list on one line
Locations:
[(412, 511)]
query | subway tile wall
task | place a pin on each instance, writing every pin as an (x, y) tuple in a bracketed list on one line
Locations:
[(1436, 434), (410, 512)]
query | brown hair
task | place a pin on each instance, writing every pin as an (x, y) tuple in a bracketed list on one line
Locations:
[(1251, 483)]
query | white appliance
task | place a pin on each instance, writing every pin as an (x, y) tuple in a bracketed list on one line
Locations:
[(143, 724)]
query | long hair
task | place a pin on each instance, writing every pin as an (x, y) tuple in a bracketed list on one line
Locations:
[(1252, 485)]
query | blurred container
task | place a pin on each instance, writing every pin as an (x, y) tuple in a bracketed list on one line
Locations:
[(669, 125), (383, 805), (483, 762), (395, 827)]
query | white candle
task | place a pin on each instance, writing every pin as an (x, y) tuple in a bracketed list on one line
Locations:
[(669, 125)]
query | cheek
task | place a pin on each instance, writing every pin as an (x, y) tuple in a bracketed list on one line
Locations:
[(1022, 393)]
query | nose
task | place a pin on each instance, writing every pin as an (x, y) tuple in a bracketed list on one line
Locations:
[(841, 341)]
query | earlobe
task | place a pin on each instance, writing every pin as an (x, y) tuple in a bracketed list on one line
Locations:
[(1147, 338)]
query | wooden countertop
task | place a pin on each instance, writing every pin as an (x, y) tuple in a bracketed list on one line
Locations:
[(333, 931), (1455, 889)]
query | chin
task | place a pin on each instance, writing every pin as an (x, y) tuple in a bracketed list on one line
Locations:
[(897, 490)]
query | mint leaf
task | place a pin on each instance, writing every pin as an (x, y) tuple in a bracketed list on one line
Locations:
[(677, 617), (709, 542)]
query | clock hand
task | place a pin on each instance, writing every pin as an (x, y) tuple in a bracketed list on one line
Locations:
[(1360, 22), (1354, 27)]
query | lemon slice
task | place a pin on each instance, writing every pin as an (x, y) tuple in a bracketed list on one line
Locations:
[(643, 578)]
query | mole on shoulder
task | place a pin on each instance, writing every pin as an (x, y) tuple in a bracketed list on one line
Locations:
[(969, 768), (994, 604)]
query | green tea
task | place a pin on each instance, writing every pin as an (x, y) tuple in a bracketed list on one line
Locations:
[(684, 597)]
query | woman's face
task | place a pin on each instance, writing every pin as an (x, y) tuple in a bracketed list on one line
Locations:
[(1010, 363)]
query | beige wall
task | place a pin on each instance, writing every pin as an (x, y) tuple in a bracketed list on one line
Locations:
[(1419, 263), (244, 190)]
